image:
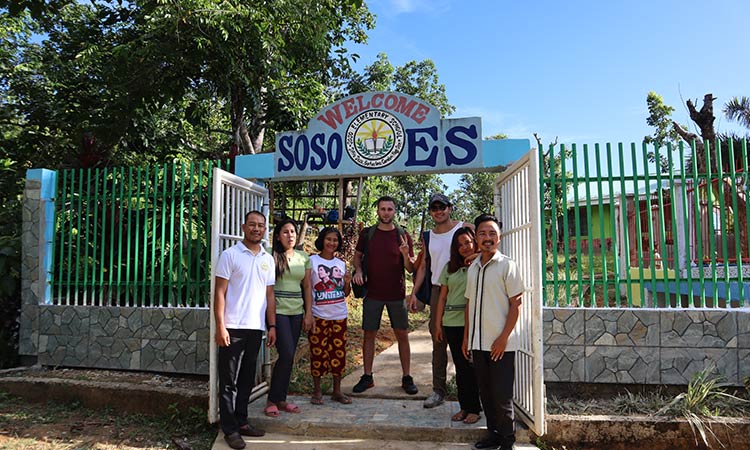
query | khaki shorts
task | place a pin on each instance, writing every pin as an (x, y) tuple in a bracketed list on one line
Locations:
[(372, 312)]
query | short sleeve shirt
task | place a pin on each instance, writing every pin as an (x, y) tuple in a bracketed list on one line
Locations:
[(440, 250), (489, 288), (248, 277), (455, 304), (288, 288), (385, 265), (327, 279)]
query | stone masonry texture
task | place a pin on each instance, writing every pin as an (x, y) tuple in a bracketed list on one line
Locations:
[(632, 346)]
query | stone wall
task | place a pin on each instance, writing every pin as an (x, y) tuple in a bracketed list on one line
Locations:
[(634, 346), (150, 339)]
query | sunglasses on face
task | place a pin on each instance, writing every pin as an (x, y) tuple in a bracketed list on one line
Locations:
[(438, 207)]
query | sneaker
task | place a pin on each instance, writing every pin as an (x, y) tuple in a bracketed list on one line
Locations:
[(435, 399), (407, 382), (249, 430), (365, 382), (234, 441), (487, 444), (491, 441)]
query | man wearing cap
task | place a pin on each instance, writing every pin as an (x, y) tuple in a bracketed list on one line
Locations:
[(439, 249)]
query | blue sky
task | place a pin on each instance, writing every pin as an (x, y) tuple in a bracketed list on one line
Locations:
[(579, 70)]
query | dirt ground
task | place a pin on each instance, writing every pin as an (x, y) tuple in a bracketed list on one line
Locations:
[(50, 426)]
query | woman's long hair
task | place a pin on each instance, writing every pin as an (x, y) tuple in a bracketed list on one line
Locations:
[(279, 252), (457, 261)]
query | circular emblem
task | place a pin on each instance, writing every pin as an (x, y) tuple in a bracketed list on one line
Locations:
[(374, 139)]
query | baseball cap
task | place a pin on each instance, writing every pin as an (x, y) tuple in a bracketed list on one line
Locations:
[(439, 198)]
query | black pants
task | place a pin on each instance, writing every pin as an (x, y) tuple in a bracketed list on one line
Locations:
[(288, 329), (439, 349), (495, 380), (468, 391), (237, 377)]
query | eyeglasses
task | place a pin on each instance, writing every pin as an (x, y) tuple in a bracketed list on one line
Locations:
[(438, 207)]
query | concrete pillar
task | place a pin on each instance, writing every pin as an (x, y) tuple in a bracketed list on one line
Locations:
[(38, 215)]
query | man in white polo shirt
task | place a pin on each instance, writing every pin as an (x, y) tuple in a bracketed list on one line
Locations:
[(244, 307), (493, 290)]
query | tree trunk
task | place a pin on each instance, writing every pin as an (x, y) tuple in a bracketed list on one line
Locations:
[(258, 124), (239, 127)]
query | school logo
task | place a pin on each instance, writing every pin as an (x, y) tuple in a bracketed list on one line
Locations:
[(374, 139)]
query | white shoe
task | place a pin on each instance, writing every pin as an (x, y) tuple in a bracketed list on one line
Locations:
[(434, 400)]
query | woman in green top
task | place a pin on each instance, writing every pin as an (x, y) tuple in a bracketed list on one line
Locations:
[(293, 311), (451, 306)]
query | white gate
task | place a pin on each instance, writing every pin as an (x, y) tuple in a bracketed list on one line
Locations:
[(517, 203), (232, 198)]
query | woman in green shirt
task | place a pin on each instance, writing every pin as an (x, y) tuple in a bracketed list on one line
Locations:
[(451, 306), (293, 311)]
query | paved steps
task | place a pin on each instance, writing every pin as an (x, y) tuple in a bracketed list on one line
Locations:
[(382, 418)]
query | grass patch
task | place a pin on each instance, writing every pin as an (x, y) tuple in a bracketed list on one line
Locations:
[(706, 397)]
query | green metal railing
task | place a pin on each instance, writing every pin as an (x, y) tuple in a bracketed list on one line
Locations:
[(133, 236), (646, 226)]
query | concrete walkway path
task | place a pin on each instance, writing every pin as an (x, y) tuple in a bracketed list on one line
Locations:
[(387, 373)]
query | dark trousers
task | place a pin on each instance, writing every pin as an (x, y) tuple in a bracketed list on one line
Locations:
[(468, 391), (439, 349), (495, 380), (288, 329), (237, 377)]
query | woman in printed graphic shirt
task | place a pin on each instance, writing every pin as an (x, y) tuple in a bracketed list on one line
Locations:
[(328, 336)]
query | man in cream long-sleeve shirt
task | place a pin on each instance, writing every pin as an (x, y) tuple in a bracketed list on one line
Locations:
[(493, 290)]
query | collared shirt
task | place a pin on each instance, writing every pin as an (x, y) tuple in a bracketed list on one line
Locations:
[(489, 288), (248, 276)]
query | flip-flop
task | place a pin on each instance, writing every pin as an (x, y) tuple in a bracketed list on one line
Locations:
[(290, 408), (471, 418), (271, 411), (459, 416), (316, 399), (343, 399)]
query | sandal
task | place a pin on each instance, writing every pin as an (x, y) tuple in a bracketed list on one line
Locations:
[(343, 399), (316, 399), (271, 411), (471, 418), (289, 407), (459, 416)]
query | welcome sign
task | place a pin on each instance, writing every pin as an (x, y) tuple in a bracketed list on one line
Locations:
[(379, 133)]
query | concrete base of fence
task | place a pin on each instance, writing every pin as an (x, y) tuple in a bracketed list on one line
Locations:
[(644, 346), (172, 340)]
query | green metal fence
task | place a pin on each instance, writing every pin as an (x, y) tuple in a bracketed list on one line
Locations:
[(133, 236), (646, 226)]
